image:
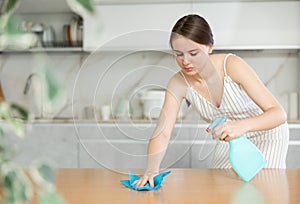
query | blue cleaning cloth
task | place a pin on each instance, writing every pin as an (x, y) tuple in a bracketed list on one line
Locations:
[(158, 179)]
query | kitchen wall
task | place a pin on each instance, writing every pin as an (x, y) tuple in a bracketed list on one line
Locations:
[(89, 79), (96, 79)]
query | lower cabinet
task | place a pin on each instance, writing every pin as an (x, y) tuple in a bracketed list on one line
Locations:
[(126, 147), (119, 147), (56, 145), (293, 155)]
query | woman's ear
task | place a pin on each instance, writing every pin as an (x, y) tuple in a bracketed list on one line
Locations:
[(210, 49)]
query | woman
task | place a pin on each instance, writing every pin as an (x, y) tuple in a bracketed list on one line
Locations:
[(217, 85)]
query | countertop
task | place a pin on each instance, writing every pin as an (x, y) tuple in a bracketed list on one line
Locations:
[(92, 186), (136, 122)]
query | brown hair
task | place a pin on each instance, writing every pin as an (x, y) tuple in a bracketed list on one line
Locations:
[(193, 27)]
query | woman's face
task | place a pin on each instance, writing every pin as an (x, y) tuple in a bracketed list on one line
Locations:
[(190, 56)]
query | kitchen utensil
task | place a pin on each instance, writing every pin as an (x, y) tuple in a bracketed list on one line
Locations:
[(153, 100), (105, 112), (38, 29), (293, 106), (244, 157), (123, 109), (89, 112), (49, 37)]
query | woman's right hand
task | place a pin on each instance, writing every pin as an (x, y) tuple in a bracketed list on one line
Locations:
[(147, 177)]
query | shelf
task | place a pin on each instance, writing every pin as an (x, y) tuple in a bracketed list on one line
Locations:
[(258, 49), (273, 49), (46, 49), (57, 49), (217, 49), (109, 2)]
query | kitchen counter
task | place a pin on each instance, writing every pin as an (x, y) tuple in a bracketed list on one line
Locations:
[(89, 186)]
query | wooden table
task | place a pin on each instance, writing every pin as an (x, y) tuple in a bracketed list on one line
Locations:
[(93, 186)]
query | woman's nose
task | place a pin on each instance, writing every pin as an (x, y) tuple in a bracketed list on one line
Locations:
[(185, 60)]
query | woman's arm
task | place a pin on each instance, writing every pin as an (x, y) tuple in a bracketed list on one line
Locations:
[(160, 139), (273, 113)]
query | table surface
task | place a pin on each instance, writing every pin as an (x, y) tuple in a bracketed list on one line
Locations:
[(89, 186)]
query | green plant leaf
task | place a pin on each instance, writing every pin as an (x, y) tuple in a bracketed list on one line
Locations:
[(1, 132), (10, 5), (15, 186), (81, 7), (21, 111), (52, 85), (8, 200), (8, 23), (5, 114), (50, 197), (6, 153), (87, 5), (47, 173)]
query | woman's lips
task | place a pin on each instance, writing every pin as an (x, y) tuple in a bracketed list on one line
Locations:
[(188, 69)]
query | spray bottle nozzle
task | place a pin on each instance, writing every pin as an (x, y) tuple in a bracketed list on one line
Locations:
[(217, 121)]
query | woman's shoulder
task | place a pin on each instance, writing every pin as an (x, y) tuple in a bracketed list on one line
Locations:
[(225, 60), (235, 66), (177, 78), (177, 83), (220, 57)]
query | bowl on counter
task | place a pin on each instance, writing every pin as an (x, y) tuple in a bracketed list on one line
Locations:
[(152, 101)]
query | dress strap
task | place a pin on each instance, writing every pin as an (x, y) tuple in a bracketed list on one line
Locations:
[(225, 60), (184, 78)]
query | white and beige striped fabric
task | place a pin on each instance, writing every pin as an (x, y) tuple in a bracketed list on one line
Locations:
[(237, 105)]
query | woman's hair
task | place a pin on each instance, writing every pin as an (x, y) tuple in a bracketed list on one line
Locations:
[(193, 27)]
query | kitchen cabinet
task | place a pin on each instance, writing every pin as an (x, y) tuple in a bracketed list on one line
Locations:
[(57, 27), (127, 146), (55, 31), (134, 26), (293, 159), (55, 144), (236, 25), (252, 24), (124, 145)]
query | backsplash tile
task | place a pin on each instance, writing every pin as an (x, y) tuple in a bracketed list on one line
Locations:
[(103, 78)]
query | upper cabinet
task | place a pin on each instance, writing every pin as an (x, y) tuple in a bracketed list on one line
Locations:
[(131, 26), (54, 25), (253, 24), (235, 24)]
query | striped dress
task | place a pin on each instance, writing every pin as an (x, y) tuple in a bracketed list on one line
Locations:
[(237, 105)]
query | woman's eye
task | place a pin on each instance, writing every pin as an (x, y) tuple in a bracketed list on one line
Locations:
[(194, 53), (178, 55)]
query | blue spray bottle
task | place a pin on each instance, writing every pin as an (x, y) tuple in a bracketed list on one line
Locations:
[(244, 157)]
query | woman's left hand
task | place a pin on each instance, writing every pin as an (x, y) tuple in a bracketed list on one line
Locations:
[(228, 130)]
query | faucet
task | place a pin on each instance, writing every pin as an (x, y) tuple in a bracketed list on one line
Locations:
[(27, 87)]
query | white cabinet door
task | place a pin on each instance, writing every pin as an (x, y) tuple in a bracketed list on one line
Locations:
[(244, 25), (140, 26), (54, 144), (253, 24), (293, 159), (125, 146)]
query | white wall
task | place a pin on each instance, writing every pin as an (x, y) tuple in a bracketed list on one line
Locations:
[(103, 78)]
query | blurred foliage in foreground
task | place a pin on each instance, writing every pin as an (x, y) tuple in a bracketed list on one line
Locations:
[(19, 185)]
